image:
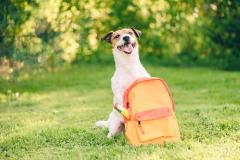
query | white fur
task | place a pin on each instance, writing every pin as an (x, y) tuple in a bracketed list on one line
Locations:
[(128, 68)]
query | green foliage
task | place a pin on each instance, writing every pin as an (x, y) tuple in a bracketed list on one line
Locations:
[(224, 30), (180, 32), (12, 15), (54, 114)]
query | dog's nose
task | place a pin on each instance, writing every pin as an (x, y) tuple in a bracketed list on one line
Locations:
[(126, 38)]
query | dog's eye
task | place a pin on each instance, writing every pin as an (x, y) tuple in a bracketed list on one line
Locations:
[(117, 36), (130, 33)]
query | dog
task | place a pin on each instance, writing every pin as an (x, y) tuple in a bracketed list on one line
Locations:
[(128, 68)]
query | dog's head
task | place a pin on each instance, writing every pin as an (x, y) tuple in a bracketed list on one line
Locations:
[(123, 40)]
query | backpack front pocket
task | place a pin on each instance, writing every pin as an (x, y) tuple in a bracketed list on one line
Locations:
[(155, 123)]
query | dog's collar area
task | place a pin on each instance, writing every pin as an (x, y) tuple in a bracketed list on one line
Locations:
[(127, 47)]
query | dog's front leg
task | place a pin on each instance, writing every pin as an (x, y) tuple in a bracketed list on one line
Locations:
[(115, 120), (115, 123)]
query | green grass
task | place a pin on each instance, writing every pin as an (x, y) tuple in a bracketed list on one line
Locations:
[(54, 115)]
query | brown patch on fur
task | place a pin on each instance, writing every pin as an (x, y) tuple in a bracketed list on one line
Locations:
[(120, 32), (113, 37)]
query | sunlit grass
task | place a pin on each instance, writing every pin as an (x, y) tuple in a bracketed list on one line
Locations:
[(54, 115)]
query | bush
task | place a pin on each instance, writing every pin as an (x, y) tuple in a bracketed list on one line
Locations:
[(183, 32)]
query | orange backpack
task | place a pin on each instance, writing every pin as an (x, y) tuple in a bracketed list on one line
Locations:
[(151, 113)]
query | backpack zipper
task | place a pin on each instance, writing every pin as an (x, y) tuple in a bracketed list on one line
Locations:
[(140, 127)]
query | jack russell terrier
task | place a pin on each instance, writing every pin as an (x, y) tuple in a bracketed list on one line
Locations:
[(128, 68)]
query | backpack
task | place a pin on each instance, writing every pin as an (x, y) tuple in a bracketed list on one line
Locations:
[(151, 113)]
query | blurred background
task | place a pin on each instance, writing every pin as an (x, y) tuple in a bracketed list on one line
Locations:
[(55, 76), (46, 34)]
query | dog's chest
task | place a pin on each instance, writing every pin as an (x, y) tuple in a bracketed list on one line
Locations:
[(126, 80), (123, 78), (121, 81)]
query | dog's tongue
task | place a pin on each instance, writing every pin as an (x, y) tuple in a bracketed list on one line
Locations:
[(128, 48)]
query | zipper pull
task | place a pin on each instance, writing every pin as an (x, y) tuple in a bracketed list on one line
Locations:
[(140, 127)]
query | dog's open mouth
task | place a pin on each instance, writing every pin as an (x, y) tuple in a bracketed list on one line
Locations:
[(127, 48)]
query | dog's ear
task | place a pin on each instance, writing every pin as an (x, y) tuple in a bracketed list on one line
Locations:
[(107, 37), (136, 32)]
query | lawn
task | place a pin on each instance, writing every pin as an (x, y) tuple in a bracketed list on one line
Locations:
[(52, 115)]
